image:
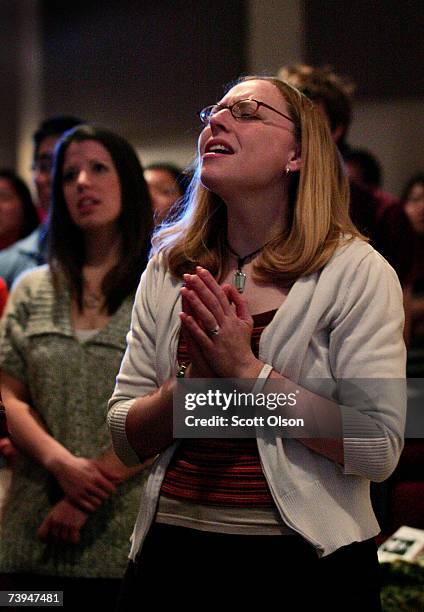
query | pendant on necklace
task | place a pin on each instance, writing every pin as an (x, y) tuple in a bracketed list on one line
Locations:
[(239, 280), (239, 276), (92, 301)]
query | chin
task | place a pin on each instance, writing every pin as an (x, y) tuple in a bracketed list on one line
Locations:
[(214, 183)]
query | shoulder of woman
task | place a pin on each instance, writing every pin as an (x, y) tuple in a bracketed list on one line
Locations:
[(356, 254), (357, 269), (29, 282), (157, 272)]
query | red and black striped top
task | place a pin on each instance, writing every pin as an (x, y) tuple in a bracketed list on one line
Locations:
[(219, 472)]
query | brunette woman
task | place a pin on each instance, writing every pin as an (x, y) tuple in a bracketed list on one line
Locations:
[(68, 518)]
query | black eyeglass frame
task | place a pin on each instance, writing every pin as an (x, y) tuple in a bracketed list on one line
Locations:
[(201, 113)]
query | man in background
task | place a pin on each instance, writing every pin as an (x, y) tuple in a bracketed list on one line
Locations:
[(31, 251)]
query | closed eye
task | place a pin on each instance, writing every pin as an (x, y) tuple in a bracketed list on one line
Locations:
[(249, 117)]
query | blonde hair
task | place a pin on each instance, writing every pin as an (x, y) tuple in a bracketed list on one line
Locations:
[(318, 201)]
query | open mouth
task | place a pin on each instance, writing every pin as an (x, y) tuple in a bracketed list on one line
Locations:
[(223, 149), (87, 204)]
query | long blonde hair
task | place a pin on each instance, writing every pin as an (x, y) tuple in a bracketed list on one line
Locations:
[(318, 202)]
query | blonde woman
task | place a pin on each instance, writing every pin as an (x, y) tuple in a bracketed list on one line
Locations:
[(263, 277)]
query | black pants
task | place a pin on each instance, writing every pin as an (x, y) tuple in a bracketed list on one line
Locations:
[(192, 569)]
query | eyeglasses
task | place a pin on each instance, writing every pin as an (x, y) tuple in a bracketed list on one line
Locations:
[(242, 109)]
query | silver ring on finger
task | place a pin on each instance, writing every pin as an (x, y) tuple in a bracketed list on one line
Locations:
[(214, 331)]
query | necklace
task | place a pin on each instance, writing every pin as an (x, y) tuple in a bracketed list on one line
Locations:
[(239, 280), (91, 300)]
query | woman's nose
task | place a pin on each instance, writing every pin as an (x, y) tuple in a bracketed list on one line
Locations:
[(82, 178), (220, 120)]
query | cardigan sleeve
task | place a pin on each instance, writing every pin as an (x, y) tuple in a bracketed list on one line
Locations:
[(137, 375), (368, 357)]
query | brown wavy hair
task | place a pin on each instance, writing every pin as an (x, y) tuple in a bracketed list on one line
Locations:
[(318, 209)]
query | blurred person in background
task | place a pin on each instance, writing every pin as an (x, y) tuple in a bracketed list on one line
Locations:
[(377, 216), (18, 215), (363, 168), (18, 219), (167, 184), (31, 251), (413, 201), (69, 513)]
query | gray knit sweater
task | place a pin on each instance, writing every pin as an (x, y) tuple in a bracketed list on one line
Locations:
[(70, 383)]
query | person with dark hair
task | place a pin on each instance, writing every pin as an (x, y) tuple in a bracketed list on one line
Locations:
[(31, 251), (263, 280), (18, 215), (412, 199), (167, 185), (378, 215), (68, 516), (363, 168)]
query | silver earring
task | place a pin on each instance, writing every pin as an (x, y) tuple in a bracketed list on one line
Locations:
[(287, 170)]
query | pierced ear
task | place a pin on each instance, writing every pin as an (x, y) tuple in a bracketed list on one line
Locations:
[(294, 164)]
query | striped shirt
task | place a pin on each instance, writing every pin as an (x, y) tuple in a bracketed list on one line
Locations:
[(219, 472)]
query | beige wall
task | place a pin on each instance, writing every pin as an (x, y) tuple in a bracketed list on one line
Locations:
[(274, 34)]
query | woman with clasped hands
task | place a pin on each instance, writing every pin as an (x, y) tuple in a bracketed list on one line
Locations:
[(67, 521), (263, 277)]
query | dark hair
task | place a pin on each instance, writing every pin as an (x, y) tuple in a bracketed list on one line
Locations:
[(368, 164), (180, 177), (31, 220), (54, 126), (66, 244), (417, 179)]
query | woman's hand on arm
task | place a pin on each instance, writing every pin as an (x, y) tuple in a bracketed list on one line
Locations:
[(119, 472), (81, 479), (63, 523), (318, 413), (86, 482)]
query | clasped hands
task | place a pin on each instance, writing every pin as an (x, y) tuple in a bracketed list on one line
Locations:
[(86, 483), (217, 327)]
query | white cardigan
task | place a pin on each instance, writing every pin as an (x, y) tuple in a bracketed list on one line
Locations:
[(343, 322)]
